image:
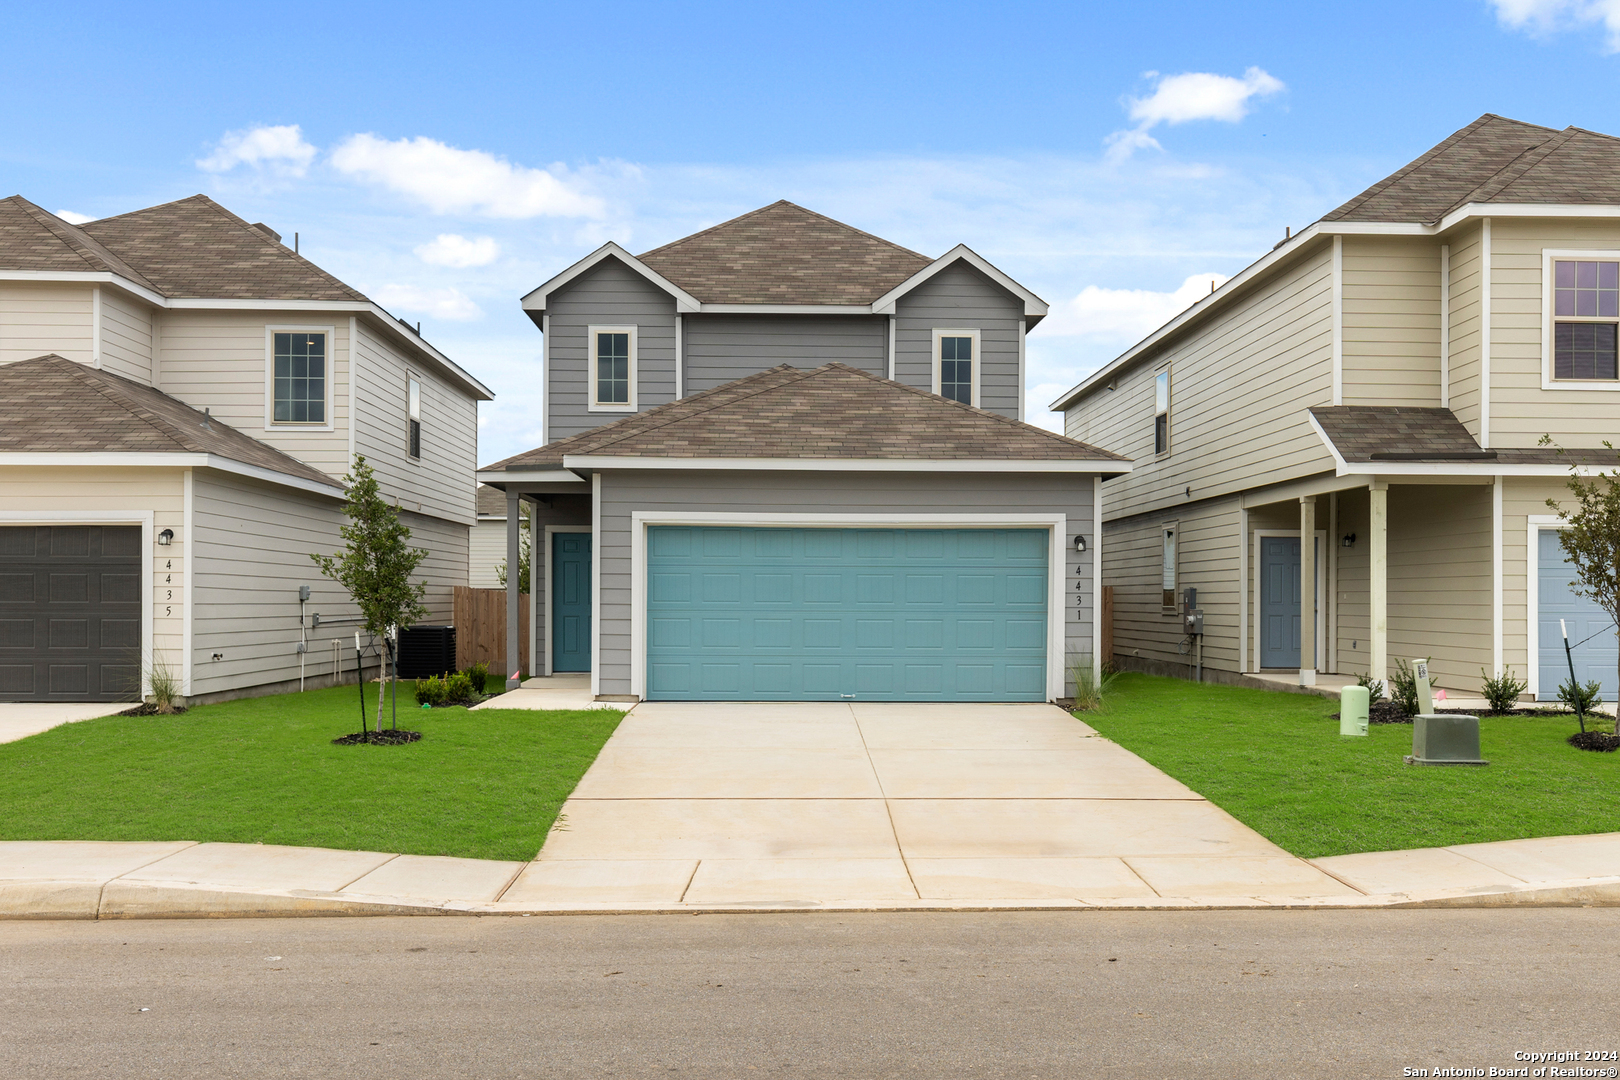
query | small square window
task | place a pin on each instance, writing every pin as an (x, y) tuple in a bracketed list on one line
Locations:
[(298, 378)]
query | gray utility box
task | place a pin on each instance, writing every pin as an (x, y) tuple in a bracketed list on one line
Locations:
[(1445, 739)]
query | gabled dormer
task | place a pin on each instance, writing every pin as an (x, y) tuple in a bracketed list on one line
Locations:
[(779, 285)]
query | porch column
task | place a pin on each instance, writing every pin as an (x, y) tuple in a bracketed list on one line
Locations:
[(1307, 590), (514, 527), (1377, 584)]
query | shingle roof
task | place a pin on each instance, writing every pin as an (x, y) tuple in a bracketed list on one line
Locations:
[(833, 412), (53, 405), (1375, 433), (491, 501), (190, 248), (785, 254), (1494, 160)]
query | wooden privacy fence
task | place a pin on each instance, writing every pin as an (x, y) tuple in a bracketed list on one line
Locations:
[(480, 616), (1107, 625)]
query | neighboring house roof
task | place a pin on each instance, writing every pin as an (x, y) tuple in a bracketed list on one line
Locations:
[(190, 248), (785, 254), (491, 502), (52, 405), (833, 412), (1495, 160)]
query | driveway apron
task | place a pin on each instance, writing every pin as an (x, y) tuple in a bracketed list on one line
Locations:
[(807, 803)]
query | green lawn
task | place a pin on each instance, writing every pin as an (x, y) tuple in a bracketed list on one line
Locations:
[(1276, 762), (484, 784)]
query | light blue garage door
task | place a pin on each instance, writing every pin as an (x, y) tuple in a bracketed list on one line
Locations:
[(1591, 633), (846, 614)]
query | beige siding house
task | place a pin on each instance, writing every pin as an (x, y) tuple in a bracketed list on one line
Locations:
[(1381, 381), (182, 395)]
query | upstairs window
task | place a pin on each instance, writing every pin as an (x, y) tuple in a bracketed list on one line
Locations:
[(613, 368), (1161, 413), (298, 377), (413, 409), (1586, 314), (956, 360), (1168, 567)]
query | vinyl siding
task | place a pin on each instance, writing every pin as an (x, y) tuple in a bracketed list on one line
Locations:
[(487, 550), (219, 360), (960, 297), (721, 348), (442, 482), (1240, 385), (254, 543), (1521, 411), (127, 336), (118, 492), (1466, 250), (37, 318), (609, 294), (1391, 321), (859, 493), (1439, 581)]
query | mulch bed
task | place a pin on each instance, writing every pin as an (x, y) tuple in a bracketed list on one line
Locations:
[(378, 738), (1595, 740), (148, 709)]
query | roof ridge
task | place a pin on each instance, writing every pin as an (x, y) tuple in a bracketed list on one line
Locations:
[(1514, 170), (63, 232), (772, 206)]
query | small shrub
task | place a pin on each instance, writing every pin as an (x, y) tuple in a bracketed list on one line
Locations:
[(1502, 692), (1089, 686), (479, 674), (431, 691), (1581, 699), (1374, 688), (458, 687)]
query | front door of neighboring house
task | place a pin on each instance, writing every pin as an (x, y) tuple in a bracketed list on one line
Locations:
[(571, 601), (1280, 601), (1591, 632)]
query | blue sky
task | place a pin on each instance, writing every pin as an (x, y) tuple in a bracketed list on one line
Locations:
[(445, 160)]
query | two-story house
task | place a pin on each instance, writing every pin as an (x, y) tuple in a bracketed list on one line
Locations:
[(181, 395), (1361, 410), (786, 461)]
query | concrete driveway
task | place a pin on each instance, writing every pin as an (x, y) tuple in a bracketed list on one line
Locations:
[(20, 719), (808, 803)]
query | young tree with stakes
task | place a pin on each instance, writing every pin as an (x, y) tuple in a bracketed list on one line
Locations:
[(376, 564), (1592, 538)]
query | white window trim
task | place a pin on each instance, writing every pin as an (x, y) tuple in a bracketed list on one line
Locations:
[(421, 401), (1169, 402), (1056, 562), (1548, 256), (1174, 528), (1534, 523), (592, 405), (978, 356), (270, 421), (549, 600)]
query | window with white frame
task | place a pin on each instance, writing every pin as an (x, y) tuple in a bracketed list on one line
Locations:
[(298, 377), (956, 365), (1586, 320), (413, 410), (1161, 413), (612, 368), (1168, 566)]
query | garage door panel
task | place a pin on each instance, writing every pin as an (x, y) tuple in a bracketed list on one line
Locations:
[(1591, 632), (16, 681), (16, 588), (16, 633), (846, 613)]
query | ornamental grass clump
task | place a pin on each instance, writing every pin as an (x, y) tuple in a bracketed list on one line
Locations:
[(1090, 685)]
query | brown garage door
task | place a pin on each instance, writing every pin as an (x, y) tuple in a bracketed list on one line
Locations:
[(70, 612)]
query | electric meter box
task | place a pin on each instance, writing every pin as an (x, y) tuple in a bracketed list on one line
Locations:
[(1195, 622)]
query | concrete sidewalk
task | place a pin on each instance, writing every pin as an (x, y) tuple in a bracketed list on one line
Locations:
[(564, 691), (20, 719)]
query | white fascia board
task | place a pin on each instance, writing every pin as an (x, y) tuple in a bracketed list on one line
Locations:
[(102, 459), (1482, 469), (535, 300), (594, 462), (89, 277), (1339, 464), (1526, 210), (1034, 306), (786, 309), (497, 478), (413, 339)]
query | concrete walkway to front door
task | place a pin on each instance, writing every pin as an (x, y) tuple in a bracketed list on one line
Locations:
[(802, 804)]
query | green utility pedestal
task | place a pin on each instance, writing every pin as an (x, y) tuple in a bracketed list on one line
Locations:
[(1445, 739), (1353, 703)]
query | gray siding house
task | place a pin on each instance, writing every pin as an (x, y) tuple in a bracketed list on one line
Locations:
[(786, 461)]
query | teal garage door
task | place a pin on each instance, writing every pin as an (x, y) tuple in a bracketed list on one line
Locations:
[(763, 614)]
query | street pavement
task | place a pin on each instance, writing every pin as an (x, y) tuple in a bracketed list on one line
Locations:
[(1160, 994)]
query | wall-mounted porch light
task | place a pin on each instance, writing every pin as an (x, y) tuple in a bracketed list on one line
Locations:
[(1080, 543), (165, 538), (1349, 540)]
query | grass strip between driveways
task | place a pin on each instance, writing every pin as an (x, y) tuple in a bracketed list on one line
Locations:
[(484, 784), (1276, 762)]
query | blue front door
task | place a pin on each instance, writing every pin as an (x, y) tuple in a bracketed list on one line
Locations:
[(1591, 633), (570, 601), (790, 614), (1279, 601)]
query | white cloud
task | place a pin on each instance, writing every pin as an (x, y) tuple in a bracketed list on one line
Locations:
[(439, 303), (449, 249), (449, 180), (1193, 95), (1541, 17), (73, 218), (1126, 314), (280, 150)]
